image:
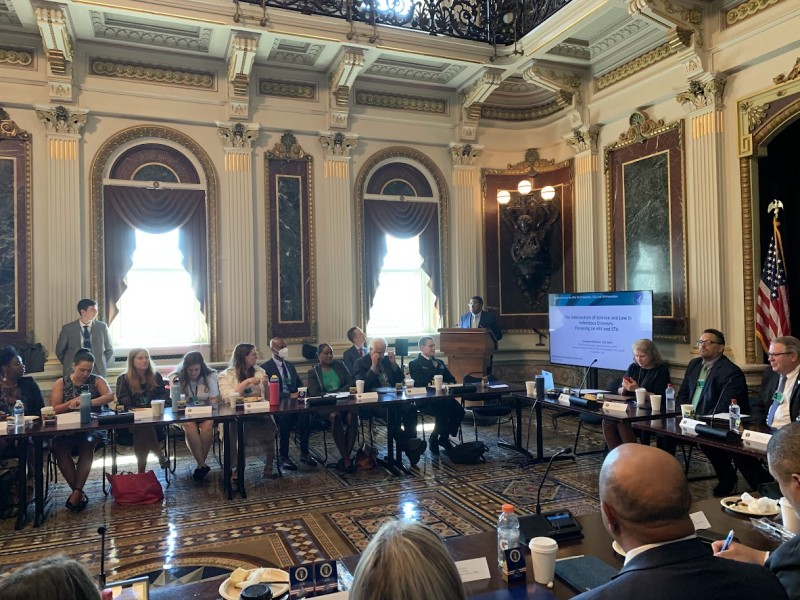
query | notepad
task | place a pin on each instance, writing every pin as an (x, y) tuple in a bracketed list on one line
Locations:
[(584, 573)]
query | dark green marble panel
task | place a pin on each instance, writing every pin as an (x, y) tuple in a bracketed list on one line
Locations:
[(647, 229), (290, 249), (8, 246)]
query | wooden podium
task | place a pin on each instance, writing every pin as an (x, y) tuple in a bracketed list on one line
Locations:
[(468, 350)]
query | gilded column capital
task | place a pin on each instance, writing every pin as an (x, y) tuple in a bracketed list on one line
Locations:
[(464, 154), (704, 92), (337, 144), (583, 139), (237, 136), (60, 119)]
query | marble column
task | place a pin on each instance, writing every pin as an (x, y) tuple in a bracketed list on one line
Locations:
[(68, 225), (588, 210), (237, 237), (465, 227), (335, 238), (704, 188)]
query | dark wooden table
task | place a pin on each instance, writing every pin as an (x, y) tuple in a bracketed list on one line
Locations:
[(596, 542), (671, 428)]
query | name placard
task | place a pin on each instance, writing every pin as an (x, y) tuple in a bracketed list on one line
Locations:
[(256, 407), (70, 418), (417, 391), (690, 424), (756, 437), (199, 411), (563, 399), (142, 413), (619, 407), (367, 397)]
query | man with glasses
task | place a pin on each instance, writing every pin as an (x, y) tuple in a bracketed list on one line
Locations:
[(711, 381), (477, 317), (779, 399)]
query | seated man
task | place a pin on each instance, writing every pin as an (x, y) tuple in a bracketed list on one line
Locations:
[(779, 400), (448, 412), (711, 381), (357, 350), (783, 454), (289, 381), (645, 503), (477, 317), (378, 371)]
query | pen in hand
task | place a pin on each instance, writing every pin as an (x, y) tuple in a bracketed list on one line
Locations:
[(727, 542)]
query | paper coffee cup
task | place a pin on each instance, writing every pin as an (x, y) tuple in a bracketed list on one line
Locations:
[(641, 396), (359, 386), (233, 399), (655, 402), (409, 382), (789, 518), (543, 557), (437, 382), (302, 392), (158, 407), (687, 410), (530, 389)]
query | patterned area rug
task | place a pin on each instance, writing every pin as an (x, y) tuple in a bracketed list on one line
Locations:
[(309, 514)]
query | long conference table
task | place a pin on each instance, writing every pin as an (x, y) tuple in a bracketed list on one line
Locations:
[(39, 433), (596, 542)]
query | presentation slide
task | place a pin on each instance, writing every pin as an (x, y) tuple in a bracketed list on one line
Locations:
[(598, 325)]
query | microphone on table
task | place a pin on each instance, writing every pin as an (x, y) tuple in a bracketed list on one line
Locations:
[(102, 576), (585, 377), (562, 452), (719, 399)]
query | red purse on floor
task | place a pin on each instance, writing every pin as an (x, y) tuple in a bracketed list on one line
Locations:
[(135, 488)]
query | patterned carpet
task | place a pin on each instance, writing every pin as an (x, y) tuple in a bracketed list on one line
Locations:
[(306, 515)]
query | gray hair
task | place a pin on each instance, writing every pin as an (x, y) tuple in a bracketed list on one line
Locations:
[(791, 343), (406, 560), (648, 347), (423, 341), (377, 339), (783, 450), (52, 578)]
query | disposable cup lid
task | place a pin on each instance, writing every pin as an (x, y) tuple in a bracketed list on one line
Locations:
[(543, 544)]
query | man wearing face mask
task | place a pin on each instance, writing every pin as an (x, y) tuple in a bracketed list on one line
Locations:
[(289, 381)]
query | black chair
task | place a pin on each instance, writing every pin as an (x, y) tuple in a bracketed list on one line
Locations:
[(491, 409)]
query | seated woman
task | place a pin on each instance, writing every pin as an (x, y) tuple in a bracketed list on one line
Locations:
[(65, 396), (245, 378), (136, 388), (52, 578), (15, 386), (649, 371), (198, 383), (331, 376), (405, 560)]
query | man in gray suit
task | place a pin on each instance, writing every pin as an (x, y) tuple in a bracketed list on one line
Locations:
[(85, 332)]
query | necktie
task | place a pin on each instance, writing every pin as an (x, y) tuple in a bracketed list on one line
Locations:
[(776, 400), (87, 341), (285, 377), (698, 391), (474, 321), (361, 353)]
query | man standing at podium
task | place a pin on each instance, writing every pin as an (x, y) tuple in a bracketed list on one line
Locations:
[(477, 317)]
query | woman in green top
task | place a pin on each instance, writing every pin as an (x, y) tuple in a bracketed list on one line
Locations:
[(328, 377)]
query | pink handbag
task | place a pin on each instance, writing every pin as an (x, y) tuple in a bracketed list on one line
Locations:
[(135, 488)]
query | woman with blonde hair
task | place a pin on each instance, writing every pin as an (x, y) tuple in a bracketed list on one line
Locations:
[(136, 388), (406, 560), (649, 371), (198, 384)]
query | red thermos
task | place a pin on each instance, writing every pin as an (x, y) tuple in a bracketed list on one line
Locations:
[(274, 391)]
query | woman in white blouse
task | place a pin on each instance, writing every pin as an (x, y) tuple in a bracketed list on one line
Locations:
[(198, 384), (245, 378)]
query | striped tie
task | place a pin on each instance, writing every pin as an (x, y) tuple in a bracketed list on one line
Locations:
[(777, 399), (87, 340)]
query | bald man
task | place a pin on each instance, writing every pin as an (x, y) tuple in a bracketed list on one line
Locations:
[(645, 502), (783, 454)]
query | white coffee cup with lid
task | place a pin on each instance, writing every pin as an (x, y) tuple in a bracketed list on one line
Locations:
[(543, 557)]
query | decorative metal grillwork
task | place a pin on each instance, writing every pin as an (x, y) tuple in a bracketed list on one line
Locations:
[(499, 22)]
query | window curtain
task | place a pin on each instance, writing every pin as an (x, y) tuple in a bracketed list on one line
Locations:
[(402, 220), (153, 211)]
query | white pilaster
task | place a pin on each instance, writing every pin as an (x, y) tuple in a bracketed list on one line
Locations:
[(237, 237), (466, 232), (68, 227), (333, 213)]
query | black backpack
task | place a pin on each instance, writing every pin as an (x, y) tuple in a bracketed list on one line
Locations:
[(468, 453)]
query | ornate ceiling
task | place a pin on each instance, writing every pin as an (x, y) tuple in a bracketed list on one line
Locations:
[(585, 48)]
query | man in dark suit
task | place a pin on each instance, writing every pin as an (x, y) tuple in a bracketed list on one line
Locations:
[(779, 400), (783, 454), (711, 381), (289, 381), (477, 317), (645, 503), (378, 371), (448, 412), (357, 350), (85, 333)]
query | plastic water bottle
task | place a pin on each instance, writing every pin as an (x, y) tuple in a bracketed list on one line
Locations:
[(175, 394), (86, 406), (19, 414), (507, 532), (669, 398), (734, 416)]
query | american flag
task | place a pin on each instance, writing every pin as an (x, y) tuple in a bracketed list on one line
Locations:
[(772, 313)]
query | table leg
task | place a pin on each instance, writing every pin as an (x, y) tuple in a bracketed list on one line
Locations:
[(22, 481), (240, 458), (517, 445), (226, 459), (42, 504)]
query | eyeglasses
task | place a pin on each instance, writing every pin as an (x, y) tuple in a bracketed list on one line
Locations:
[(771, 354), (706, 342)]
